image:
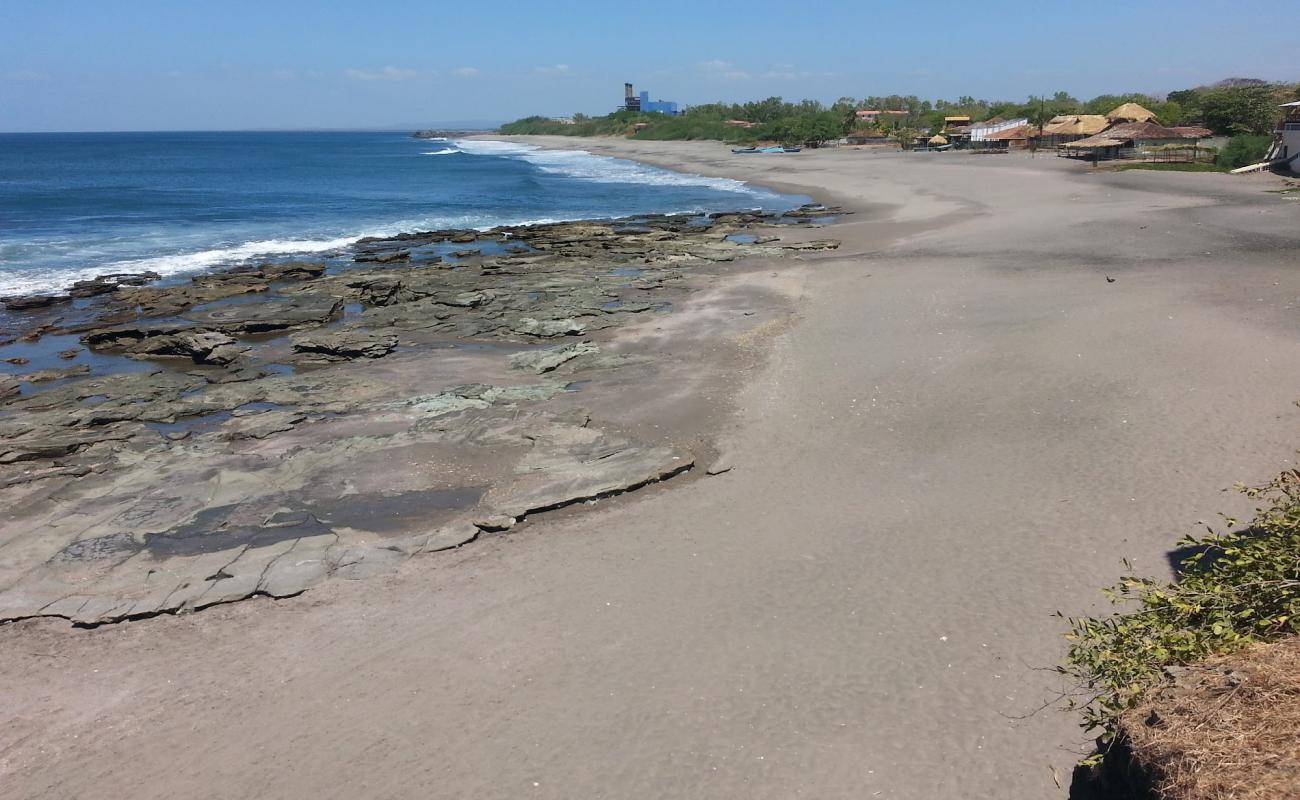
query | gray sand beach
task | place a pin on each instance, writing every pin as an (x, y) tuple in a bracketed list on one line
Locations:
[(926, 442)]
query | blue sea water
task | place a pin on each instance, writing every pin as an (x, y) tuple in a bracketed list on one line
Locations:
[(76, 205)]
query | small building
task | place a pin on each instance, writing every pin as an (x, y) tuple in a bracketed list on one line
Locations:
[(980, 131), (1018, 137), (642, 103), (649, 106), (1131, 112), (875, 115), (1126, 139), (950, 123), (1287, 146)]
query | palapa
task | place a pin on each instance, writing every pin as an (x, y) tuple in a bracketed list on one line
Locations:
[(1076, 125), (1131, 112), (1118, 135)]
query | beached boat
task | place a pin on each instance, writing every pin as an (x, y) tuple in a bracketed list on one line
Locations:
[(773, 149)]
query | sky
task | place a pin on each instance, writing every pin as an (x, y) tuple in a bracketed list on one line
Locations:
[(78, 65)]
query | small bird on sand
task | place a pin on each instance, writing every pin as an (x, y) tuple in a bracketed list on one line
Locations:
[(1109, 279)]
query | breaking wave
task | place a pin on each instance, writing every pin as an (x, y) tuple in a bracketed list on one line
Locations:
[(582, 165)]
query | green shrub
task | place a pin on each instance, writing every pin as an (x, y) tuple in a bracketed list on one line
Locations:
[(1237, 588), (1244, 150)]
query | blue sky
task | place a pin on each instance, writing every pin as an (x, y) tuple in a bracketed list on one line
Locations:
[(183, 64)]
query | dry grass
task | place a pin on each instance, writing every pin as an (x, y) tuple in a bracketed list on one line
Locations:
[(1228, 729)]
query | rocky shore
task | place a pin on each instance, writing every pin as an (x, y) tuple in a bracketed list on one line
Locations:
[(165, 448)]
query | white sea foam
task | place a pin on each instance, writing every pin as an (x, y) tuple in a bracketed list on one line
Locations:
[(47, 280), (577, 164), (601, 169), (39, 280)]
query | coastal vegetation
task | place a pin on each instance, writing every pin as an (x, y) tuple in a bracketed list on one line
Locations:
[(1235, 107), (1233, 590), (1243, 150), (1169, 166)]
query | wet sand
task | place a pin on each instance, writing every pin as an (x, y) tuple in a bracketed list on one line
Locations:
[(962, 428)]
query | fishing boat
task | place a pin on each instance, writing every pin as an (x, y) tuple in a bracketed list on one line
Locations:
[(773, 149)]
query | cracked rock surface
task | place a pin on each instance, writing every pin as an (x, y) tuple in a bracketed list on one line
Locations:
[(265, 429)]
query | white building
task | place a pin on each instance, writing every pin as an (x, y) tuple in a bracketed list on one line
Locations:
[(982, 130), (1288, 137)]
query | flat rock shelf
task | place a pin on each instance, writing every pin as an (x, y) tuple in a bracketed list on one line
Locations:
[(164, 448)]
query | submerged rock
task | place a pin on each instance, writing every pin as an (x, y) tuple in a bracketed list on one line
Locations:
[(45, 375), (34, 301)]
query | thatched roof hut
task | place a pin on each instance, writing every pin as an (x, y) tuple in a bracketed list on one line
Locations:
[(938, 140), (1076, 125), (1131, 112), (1143, 132), (1109, 142)]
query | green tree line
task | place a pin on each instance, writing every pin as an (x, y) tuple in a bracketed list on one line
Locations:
[(1234, 107)]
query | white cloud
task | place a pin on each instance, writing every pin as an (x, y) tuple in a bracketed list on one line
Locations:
[(465, 72), (722, 69), (388, 73), (558, 69)]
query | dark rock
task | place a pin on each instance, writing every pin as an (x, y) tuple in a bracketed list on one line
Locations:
[(127, 335), (386, 257), (107, 284), (272, 315), (293, 271), (46, 375), (33, 301), (342, 345), (17, 361), (54, 444), (69, 354), (202, 347)]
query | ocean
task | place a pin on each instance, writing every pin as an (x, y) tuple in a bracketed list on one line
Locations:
[(76, 205)]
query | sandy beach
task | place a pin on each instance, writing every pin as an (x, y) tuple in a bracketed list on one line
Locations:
[(941, 433)]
